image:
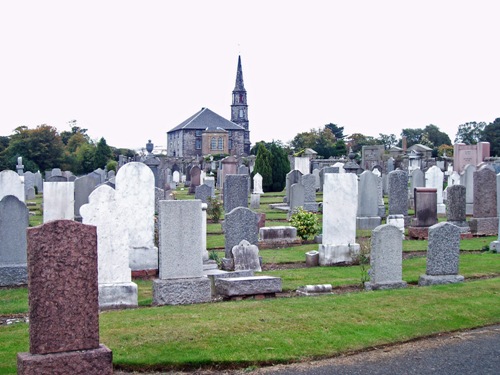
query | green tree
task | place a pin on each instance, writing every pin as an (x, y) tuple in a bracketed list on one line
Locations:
[(337, 131), (280, 166), (491, 133), (470, 133), (85, 156), (263, 167), (358, 140), (103, 154), (413, 136), (435, 136), (388, 140)]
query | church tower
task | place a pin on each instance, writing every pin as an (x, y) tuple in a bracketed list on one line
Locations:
[(239, 108)]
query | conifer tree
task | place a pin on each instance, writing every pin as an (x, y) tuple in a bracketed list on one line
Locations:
[(263, 166)]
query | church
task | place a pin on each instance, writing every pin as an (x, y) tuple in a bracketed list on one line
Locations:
[(206, 132)]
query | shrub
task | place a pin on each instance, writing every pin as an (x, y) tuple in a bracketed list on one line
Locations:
[(306, 223), (214, 209)]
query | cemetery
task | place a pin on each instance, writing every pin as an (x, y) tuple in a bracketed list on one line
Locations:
[(146, 279)]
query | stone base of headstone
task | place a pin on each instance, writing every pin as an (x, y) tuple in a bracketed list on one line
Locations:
[(94, 361), (495, 246), (469, 208), (210, 265), (143, 259), (418, 233), (13, 275), (220, 274), (484, 226), (387, 285), (330, 255), (315, 290), (117, 296), (181, 291), (398, 221), (312, 258), (426, 280), (318, 238), (311, 207), (462, 225), (247, 286), (441, 208), (368, 222), (227, 264), (381, 211)]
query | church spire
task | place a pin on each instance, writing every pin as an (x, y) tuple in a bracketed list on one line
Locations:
[(239, 86), (239, 107)]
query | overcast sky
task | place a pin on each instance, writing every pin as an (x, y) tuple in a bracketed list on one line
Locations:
[(130, 71)]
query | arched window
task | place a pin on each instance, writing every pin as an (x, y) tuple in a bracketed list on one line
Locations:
[(213, 143), (221, 143)]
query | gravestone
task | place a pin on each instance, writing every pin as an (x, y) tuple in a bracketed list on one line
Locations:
[(417, 180), (160, 195), (434, 179), (302, 164), (297, 193), (116, 289), (371, 156), (56, 172), (322, 173), (257, 184), (308, 181), (13, 223), (20, 166), (246, 257), (239, 224), (317, 179), (29, 185), (176, 176), (292, 177), (454, 178), (63, 300), (390, 165), (203, 192), (494, 245), (455, 208), (210, 181), (254, 201), (467, 179), (83, 187), (425, 212), (229, 165), (386, 259), (380, 194), (368, 201), (235, 191), (340, 201), (56, 179), (195, 178), (485, 219), (443, 253), (469, 154), (58, 201), (39, 182), (181, 280), (398, 192), (11, 184)]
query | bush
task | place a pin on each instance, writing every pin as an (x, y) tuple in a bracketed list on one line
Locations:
[(307, 223), (214, 209)]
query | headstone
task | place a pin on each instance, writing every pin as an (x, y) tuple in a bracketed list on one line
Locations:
[(13, 224), (39, 182), (254, 201), (386, 259), (292, 177), (390, 165), (340, 201), (210, 181), (240, 224), (181, 280), (425, 212), (176, 176), (434, 179), (322, 174), (467, 179), (83, 187), (20, 166), (398, 192), (371, 156), (195, 178), (235, 191), (368, 201), (485, 219), (29, 185), (63, 299), (398, 221), (246, 257), (340, 167), (257, 184), (58, 201), (56, 179), (469, 154), (380, 194), (116, 289), (317, 179), (302, 164), (443, 253), (229, 166), (454, 178), (455, 208), (297, 193), (417, 180), (11, 184), (308, 181), (160, 195), (56, 172), (203, 192)]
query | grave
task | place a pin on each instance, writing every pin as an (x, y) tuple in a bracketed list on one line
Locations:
[(308, 181), (368, 201), (302, 164), (485, 220), (58, 200), (246, 257), (297, 193), (195, 174), (63, 316), (258, 287), (203, 192), (257, 184), (235, 191), (467, 179), (254, 201), (397, 182), (455, 209), (292, 177), (279, 236), (11, 184), (425, 213), (434, 179)]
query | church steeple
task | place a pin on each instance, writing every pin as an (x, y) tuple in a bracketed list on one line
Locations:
[(239, 107)]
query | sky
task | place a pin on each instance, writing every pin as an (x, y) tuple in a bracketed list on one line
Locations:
[(130, 71)]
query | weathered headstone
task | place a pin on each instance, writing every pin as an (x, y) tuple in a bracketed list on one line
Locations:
[(368, 201), (246, 257), (340, 201), (417, 180), (58, 201), (240, 224), (11, 184), (434, 179), (425, 212), (203, 192), (371, 156), (455, 208), (83, 187), (292, 177), (176, 176), (297, 193), (63, 299), (317, 179), (235, 191), (467, 179), (257, 184), (181, 280), (29, 185), (254, 201), (443, 253), (398, 192), (302, 164), (39, 182), (485, 219), (195, 174), (13, 224), (386, 259), (309, 183), (322, 173)]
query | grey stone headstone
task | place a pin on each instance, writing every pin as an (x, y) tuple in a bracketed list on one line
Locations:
[(246, 257), (30, 193), (254, 201), (56, 179), (56, 172), (467, 179), (368, 200), (443, 249), (39, 182), (309, 183), (203, 192), (398, 192), (240, 224), (13, 243), (297, 193), (195, 179), (160, 195), (425, 207), (29, 184), (292, 177), (390, 165), (243, 169), (417, 180), (485, 193), (235, 191), (83, 187), (455, 204), (322, 174), (317, 179)]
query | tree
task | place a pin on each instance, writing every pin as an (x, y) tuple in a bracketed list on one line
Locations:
[(436, 137), (491, 133), (469, 133), (413, 136), (388, 140), (280, 166), (66, 135), (358, 140), (337, 131), (263, 167), (102, 155)]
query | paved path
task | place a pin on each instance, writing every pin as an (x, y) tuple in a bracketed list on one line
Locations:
[(475, 352)]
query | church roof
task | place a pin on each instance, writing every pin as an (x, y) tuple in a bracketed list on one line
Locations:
[(205, 119)]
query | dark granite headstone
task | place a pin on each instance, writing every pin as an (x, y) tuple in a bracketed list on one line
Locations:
[(195, 174), (235, 191), (398, 192), (425, 207), (485, 193), (455, 203), (203, 192), (240, 224)]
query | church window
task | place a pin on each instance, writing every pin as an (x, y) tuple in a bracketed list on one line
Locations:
[(241, 113), (229, 133), (221, 143), (198, 144), (213, 143), (198, 133), (230, 144)]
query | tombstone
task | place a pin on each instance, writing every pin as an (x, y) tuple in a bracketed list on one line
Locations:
[(398, 193), (210, 181), (417, 180), (20, 166), (340, 201), (386, 259), (246, 257), (254, 201), (317, 179), (116, 289), (56, 172), (58, 201), (29, 185), (203, 192), (176, 177), (454, 178), (390, 165), (56, 179), (11, 184), (455, 208), (380, 194), (39, 182), (111, 174), (309, 183), (302, 164), (494, 245), (371, 156), (469, 154), (425, 212), (443, 254), (398, 221), (181, 280), (195, 179), (228, 166), (83, 187), (297, 193), (239, 224), (340, 167), (434, 179), (485, 219), (322, 174), (292, 177), (135, 194), (64, 308), (101, 173), (14, 219), (235, 191), (257, 184), (368, 201), (467, 179), (243, 169)]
